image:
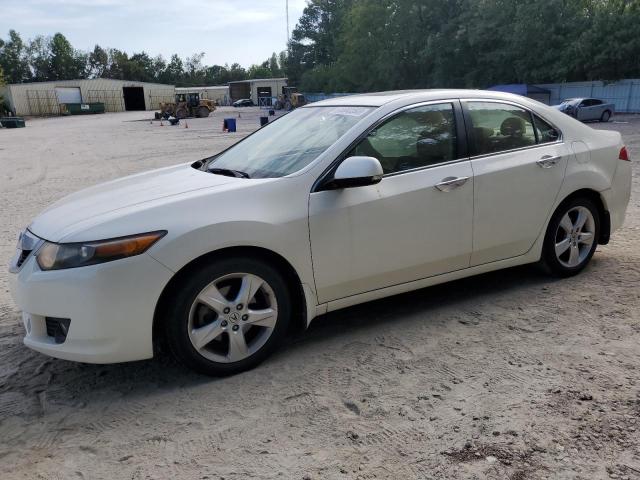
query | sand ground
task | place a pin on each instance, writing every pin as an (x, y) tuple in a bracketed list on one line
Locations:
[(509, 375)]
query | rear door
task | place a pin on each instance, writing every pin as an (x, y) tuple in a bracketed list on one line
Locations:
[(518, 162)]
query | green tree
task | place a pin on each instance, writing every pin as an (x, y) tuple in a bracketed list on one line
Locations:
[(98, 62), (65, 63), (39, 58), (13, 59)]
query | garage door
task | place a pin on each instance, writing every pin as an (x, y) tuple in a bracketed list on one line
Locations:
[(68, 95)]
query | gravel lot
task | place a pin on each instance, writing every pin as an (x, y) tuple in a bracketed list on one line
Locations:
[(509, 375)]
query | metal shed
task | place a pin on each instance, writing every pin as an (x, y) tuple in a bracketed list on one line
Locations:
[(261, 90), (44, 98)]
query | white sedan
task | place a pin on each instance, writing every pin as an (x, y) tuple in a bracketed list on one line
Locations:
[(337, 203)]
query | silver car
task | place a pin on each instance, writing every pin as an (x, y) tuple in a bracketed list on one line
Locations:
[(585, 109)]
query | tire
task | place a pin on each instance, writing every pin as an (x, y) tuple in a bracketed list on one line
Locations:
[(203, 112), (568, 247), (606, 116), (181, 113), (212, 340)]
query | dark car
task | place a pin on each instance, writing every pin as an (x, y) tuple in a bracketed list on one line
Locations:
[(245, 102), (587, 109)]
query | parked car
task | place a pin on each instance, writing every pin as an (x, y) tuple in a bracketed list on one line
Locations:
[(337, 203), (585, 109), (245, 102)]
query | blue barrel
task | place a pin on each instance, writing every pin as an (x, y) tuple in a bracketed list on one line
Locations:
[(229, 124)]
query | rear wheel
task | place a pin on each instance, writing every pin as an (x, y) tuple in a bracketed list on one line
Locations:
[(572, 237), (605, 116), (182, 113), (228, 316), (203, 112)]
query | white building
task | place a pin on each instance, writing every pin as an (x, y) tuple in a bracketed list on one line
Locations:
[(44, 98), (260, 90)]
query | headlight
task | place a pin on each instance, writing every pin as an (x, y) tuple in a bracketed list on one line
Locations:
[(56, 256)]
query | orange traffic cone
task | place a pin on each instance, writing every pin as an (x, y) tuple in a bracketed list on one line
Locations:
[(186, 125), (161, 124)]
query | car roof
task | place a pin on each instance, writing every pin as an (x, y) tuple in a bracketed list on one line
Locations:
[(378, 99)]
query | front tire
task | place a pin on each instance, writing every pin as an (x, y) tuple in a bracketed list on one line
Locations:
[(228, 316), (572, 237), (606, 116)]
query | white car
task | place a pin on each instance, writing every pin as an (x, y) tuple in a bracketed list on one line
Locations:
[(337, 203)]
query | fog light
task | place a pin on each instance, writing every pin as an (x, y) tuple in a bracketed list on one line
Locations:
[(58, 328)]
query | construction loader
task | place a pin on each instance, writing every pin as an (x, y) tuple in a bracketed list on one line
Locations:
[(186, 105), (290, 99)]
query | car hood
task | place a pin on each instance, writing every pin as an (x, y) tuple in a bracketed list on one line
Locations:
[(60, 218)]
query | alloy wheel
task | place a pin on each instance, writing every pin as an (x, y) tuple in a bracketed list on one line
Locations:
[(232, 317), (575, 236)]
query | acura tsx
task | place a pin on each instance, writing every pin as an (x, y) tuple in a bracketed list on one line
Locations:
[(334, 204)]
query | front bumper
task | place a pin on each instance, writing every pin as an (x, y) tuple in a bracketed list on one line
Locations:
[(110, 305)]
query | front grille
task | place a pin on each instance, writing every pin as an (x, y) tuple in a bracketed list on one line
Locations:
[(22, 257), (57, 328)]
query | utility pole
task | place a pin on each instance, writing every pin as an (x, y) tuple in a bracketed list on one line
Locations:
[(287, 6)]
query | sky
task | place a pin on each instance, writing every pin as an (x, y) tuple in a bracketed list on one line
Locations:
[(227, 31)]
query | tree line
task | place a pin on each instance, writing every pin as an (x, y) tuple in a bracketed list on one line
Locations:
[(369, 45), (54, 58)]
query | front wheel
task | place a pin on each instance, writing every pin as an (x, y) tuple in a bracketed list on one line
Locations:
[(572, 237), (605, 116), (203, 112), (228, 316)]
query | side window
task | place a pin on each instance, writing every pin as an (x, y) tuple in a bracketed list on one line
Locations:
[(497, 127), (595, 102), (545, 132), (415, 138)]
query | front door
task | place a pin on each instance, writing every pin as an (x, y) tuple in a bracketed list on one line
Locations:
[(416, 223), (518, 162)]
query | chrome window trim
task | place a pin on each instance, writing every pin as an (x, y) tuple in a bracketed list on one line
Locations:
[(514, 150)]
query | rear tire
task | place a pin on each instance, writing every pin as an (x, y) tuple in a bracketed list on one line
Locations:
[(606, 116), (181, 114), (572, 237), (245, 317), (203, 112)]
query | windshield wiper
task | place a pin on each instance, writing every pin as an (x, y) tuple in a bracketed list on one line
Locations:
[(229, 173)]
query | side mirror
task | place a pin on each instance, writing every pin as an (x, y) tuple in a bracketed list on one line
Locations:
[(356, 172)]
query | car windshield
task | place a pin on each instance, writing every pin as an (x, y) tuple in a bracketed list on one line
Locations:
[(569, 100), (289, 144)]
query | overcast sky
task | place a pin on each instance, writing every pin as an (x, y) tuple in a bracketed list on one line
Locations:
[(227, 31)]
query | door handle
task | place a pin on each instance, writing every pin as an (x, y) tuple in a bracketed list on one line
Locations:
[(451, 183), (548, 161)]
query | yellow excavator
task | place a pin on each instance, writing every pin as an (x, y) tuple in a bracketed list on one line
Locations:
[(186, 105)]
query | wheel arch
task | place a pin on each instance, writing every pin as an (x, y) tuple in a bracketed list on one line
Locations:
[(299, 322), (595, 197)]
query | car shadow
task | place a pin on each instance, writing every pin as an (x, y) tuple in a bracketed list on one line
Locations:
[(397, 308), (68, 382)]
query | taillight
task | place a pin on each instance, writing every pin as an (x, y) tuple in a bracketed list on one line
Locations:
[(624, 155)]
